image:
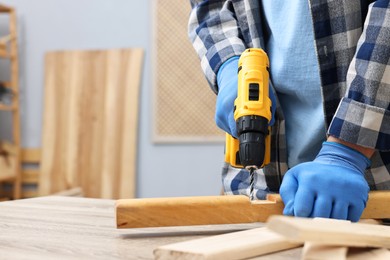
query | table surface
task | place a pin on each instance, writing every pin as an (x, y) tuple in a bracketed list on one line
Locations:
[(83, 228)]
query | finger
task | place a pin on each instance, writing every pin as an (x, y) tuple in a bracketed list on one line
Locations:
[(287, 191), (322, 207), (355, 211), (339, 210), (304, 202)]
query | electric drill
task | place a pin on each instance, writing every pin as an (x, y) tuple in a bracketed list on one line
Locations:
[(252, 113)]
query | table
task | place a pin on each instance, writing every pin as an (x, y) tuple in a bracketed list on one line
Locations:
[(57, 227)]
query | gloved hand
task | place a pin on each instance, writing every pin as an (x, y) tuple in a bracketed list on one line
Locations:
[(227, 79), (331, 186)]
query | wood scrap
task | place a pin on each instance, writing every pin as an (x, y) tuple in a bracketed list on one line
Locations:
[(319, 251), (236, 245), (371, 253), (331, 231)]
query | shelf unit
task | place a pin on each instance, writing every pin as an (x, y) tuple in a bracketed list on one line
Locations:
[(10, 150)]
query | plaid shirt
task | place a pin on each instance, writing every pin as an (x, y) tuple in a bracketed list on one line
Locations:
[(352, 39)]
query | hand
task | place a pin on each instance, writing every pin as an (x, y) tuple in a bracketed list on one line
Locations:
[(331, 186), (227, 79)]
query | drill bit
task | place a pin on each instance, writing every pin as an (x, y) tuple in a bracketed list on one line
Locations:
[(252, 183)]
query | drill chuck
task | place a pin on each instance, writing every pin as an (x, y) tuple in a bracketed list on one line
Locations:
[(252, 131)]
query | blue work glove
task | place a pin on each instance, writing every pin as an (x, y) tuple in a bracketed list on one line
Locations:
[(227, 79), (331, 186)]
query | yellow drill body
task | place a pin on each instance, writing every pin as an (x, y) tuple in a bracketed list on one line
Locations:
[(252, 113)]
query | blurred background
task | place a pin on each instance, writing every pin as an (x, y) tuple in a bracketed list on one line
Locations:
[(177, 149)]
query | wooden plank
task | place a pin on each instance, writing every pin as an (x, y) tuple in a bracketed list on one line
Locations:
[(236, 245), (31, 155), (57, 227), (187, 211), (315, 251), (370, 253), (378, 205), (91, 122), (30, 176), (320, 251), (331, 231), (156, 212)]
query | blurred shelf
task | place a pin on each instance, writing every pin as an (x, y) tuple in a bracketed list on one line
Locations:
[(10, 154)]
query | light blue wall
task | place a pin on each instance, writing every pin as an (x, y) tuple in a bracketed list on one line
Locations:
[(45, 25)]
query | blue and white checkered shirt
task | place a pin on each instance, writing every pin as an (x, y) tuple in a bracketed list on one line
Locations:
[(352, 40)]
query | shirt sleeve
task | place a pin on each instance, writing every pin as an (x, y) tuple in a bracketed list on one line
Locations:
[(363, 115), (214, 32)]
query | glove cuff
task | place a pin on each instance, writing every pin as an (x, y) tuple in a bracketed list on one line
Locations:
[(349, 157)]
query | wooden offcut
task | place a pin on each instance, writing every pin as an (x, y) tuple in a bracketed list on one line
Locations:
[(205, 210), (91, 122), (331, 231), (236, 245)]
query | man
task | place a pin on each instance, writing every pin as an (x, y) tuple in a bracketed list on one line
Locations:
[(331, 76)]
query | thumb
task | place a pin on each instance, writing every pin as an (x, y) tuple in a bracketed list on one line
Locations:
[(288, 189)]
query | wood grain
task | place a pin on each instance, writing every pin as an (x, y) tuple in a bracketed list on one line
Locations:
[(187, 211), (236, 245), (91, 122), (84, 228), (319, 251), (378, 205), (159, 212), (331, 231)]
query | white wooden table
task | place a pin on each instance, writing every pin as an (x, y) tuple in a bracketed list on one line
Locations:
[(57, 227)]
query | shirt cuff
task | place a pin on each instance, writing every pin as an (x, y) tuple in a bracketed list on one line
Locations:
[(361, 124)]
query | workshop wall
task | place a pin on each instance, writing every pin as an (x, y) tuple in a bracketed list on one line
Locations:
[(47, 25)]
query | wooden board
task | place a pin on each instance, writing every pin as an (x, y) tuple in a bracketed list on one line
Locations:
[(319, 251), (331, 231), (315, 251), (236, 245), (159, 212), (91, 122), (187, 211)]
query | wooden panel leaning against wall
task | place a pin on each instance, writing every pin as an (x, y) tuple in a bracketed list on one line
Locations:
[(90, 126)]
